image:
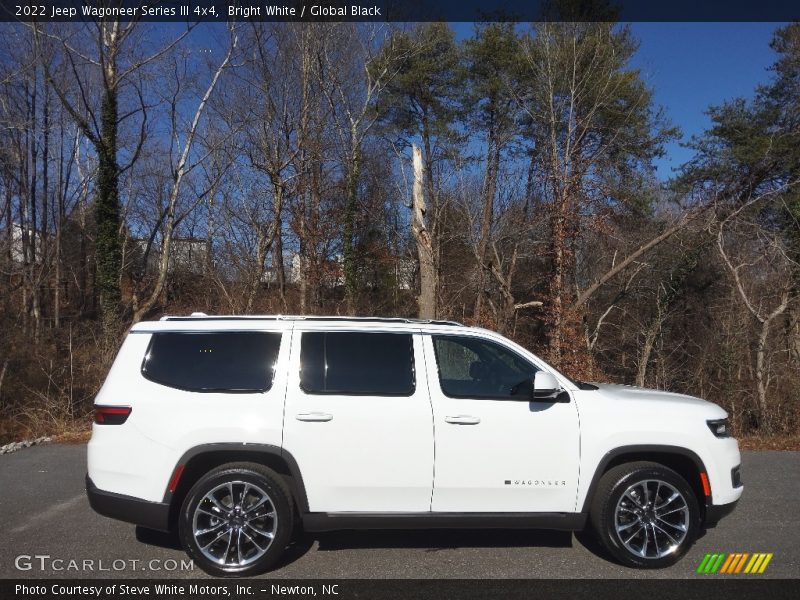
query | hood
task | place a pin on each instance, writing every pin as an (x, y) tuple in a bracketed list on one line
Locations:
[(629, 392)]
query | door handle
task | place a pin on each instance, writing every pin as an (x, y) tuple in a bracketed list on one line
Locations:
[(314, 417), (462, 420)]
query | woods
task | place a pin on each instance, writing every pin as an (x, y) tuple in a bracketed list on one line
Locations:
[(504, 179)]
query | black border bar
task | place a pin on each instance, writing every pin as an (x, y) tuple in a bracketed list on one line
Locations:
[(377, 589), (404, 10)]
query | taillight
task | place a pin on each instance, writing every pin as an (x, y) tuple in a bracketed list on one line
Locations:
[(111, 415)]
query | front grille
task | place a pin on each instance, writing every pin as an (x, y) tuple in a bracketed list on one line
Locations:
[(736, 476)]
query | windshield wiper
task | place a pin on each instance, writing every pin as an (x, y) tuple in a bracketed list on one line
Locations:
[(585, 386)]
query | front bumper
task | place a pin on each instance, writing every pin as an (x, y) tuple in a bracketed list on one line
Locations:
[(716, 512), (152, 515)]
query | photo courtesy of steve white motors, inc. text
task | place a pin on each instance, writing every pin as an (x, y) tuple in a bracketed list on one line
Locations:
[(194, 590)]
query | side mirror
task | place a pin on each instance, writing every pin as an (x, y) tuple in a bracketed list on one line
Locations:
[(545, 386)]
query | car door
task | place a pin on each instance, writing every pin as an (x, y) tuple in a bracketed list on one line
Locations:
[(358, 420), (496, 450)]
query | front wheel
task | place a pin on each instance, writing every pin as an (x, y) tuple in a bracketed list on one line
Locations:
[(236, 520), (645, 514)]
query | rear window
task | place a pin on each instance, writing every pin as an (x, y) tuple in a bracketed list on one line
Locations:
[(213, 362), (375, 364)]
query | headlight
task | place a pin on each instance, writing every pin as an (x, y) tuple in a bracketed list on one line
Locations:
[(720, 427)]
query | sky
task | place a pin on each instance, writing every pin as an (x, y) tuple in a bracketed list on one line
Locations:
[(691, 66)]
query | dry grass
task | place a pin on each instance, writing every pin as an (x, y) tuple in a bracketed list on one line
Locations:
[(64, 431), (79, 435), (781, 442)]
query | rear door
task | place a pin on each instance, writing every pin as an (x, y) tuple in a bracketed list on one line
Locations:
[(358, 420)]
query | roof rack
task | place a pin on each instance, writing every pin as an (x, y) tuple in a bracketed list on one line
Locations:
[(198, 316)]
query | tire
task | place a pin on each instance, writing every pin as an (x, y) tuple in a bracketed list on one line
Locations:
[(227, 541), (628, 522)]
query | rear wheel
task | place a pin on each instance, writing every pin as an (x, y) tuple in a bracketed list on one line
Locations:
[(236, 520), (645, 514)]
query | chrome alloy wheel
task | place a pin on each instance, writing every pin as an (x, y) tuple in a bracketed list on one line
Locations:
[(652, 519), (234, 524)]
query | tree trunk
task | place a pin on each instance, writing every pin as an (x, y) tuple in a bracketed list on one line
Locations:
[(57, 267), (431, 222), (277, 262), (426, 145), (44, 251), (423, 239), (558, 248), (262, 247), (348, 232), (766, 422), (793, 336), (24, 209), (208, 263), (764, 416), (35, 307), (2, 378), (313, 261), (83, 266), (9, 233), (299, 266), (507, 311), (108, 252), (487, 214), (647, 349)]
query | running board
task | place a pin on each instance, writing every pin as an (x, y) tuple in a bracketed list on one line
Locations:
[(431, 520)]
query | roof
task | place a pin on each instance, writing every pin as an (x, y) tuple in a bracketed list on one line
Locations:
[(198, 316)]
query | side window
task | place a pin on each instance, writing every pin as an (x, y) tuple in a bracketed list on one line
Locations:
[(475, 368), (213, 362), (375, 364)]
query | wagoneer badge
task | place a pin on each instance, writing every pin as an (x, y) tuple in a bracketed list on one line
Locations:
[(536, 482)]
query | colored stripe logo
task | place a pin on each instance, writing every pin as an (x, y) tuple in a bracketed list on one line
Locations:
[(734, 563)]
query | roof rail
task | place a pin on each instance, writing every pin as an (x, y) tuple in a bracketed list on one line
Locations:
[(196, 316)]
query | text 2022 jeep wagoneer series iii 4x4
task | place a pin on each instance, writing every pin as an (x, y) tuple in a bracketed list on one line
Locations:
[(235, 430)]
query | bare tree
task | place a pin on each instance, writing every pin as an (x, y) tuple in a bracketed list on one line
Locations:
[(179, 171), (767, 256), (589, 118), (356, 72), (106, 50)]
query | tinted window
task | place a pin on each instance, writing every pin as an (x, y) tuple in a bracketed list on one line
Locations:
[(379, 364), (213, 362), (475, 368)]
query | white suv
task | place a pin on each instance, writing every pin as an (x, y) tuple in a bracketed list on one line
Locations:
[(235, 430)]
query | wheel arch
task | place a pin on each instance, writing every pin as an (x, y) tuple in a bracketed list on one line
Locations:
[(681, 460), (199, 460)]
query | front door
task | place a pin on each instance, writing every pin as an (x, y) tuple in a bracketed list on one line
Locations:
[(496, 450), (358, 421)]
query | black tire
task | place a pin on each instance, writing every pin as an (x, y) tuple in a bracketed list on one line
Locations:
[(608, 497), (248, 481)]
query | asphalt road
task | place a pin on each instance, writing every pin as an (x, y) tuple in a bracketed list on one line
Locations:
[(44, 511)]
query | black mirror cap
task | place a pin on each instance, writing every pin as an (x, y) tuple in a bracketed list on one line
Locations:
[(551, 396)]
